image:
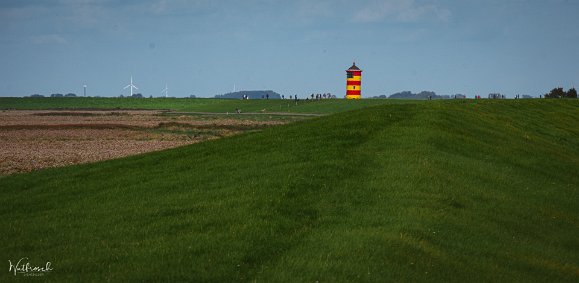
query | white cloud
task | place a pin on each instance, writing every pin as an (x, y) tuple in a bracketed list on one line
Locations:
[(313, 9), (22, 13), (165, 7), (401, 11), (160, 6), (85, 13), (47, 39)]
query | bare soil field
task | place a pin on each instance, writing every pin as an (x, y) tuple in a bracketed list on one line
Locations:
[(31, 140)]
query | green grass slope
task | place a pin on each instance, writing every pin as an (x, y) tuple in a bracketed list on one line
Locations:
[(441, 191), (193, 105)]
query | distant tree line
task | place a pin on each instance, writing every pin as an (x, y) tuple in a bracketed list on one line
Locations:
[(421, 95), (55, 95), (560, 93), (135, 95), (554, 93), (63, 95)]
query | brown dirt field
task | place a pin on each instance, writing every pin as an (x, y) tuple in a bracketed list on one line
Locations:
[(32, 140)]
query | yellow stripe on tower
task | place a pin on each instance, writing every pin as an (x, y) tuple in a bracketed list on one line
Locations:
[(353, 87), (354, 79)]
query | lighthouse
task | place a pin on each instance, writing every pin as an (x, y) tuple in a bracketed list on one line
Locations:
[(353, 82)]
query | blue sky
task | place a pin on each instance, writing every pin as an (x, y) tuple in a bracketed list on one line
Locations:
[(204, 47)]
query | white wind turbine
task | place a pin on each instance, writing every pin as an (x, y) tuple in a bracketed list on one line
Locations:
[(131, 85), (165, 91)]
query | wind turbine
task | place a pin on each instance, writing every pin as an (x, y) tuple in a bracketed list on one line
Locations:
[(166, 91), (131, 85)]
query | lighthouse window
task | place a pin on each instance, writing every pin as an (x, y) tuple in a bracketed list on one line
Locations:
[(350, 75), (354, 87)]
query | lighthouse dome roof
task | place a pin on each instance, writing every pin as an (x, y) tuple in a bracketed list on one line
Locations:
[(354, 67)]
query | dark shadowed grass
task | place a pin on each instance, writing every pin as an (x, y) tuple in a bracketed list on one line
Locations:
[(447, 191)]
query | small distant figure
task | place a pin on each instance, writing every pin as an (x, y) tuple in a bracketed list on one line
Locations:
[(430, 97), (282, 96), (291, 97), (296, 97), (267, 96), (237, 110)]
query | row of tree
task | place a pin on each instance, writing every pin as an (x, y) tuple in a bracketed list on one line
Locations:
[(560, 93), (55, 95), (63, 95), (554, 93), (421, 95)]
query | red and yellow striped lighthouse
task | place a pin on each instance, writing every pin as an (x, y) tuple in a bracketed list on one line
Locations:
[(353, 82)]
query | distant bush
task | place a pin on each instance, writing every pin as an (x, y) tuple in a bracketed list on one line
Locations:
[(572, 93), (560, 93), (421, 95)]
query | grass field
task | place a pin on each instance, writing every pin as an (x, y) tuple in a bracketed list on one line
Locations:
[(432, 191), (192, 105)]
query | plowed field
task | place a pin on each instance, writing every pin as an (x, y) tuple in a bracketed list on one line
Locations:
[(31, 140)]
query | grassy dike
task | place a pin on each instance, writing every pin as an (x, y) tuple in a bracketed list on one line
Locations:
[(192, 105), (438, 191)]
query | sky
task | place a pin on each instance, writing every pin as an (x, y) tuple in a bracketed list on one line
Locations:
[(210, 47)]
